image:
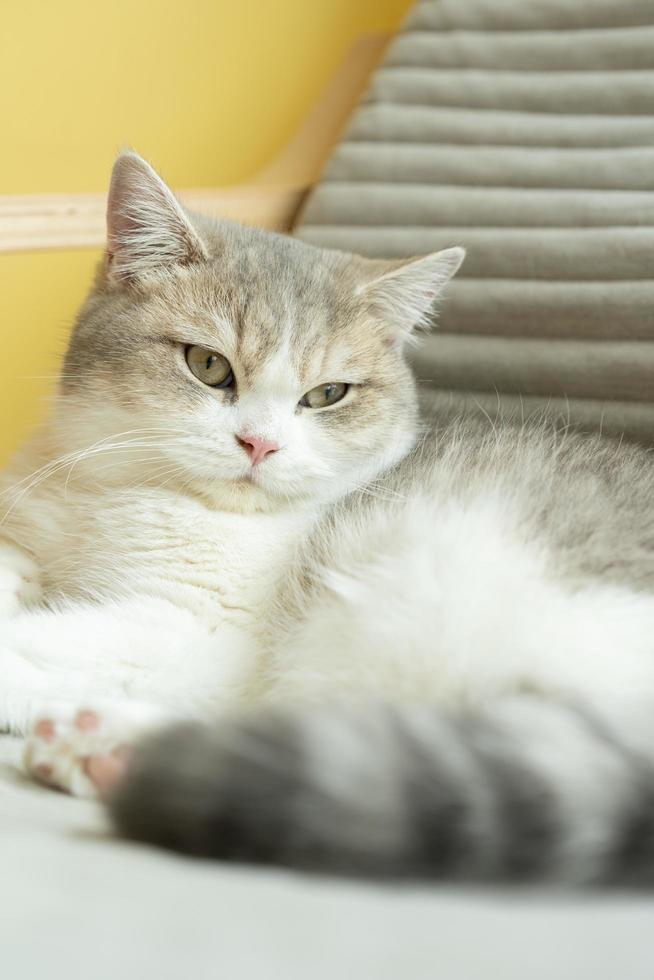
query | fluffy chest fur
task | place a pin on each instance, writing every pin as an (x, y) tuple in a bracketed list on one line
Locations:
[(221, 566)]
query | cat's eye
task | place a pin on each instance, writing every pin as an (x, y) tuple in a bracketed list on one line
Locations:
[(209, 367), (324, 395)]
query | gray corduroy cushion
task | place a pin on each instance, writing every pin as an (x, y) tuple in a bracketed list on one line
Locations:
[(522, 129)]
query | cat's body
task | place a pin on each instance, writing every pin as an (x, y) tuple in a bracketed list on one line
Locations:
[(506, 523), (493, 584)]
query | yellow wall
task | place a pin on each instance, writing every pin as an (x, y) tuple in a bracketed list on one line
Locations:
[(207, 90)]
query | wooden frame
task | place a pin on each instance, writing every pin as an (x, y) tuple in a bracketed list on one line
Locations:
[(34, 222)]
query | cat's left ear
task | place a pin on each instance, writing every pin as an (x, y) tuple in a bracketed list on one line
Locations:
[(147, 228), (404, 295)]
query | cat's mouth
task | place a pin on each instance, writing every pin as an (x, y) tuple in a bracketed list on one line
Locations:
[(251, 479)]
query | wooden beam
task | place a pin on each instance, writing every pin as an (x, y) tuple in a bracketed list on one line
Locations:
[(35, 222), (272, 199)]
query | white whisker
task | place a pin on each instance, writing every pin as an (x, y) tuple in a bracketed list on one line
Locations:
[(101, 446)]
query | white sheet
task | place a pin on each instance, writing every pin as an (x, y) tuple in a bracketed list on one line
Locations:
[(77, 903)]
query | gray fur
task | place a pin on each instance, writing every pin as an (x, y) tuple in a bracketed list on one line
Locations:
[(587, 498), (249, 790)]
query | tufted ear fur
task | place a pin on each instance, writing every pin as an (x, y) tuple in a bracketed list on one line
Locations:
[(146, 226), (404, 295)]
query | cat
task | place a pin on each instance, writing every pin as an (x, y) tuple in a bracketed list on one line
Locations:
[(269, 611)]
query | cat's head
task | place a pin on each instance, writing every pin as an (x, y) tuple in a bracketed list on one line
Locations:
[(248, 366)]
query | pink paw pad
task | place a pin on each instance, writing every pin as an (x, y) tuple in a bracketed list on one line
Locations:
[(87, 721), (45, 729), (104, 771)]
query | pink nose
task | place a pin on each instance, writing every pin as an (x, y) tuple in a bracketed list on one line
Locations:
[(256, 448)]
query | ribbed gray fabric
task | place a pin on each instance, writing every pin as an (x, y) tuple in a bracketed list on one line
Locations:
[(524, 130)]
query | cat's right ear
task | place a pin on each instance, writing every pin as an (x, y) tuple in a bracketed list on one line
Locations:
[(405, 292), (147, 228)]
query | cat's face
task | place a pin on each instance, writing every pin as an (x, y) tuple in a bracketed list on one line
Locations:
[(251, 367)]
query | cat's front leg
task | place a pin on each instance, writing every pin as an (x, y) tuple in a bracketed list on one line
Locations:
[(139, 649), (123, 650), (19, 580), (83, 722)]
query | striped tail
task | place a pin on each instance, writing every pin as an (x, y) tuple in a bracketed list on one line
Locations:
[(524, 789)]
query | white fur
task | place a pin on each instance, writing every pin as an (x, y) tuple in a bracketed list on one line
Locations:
[(19, 580), (180, 614), (478, 615), (186, 603), (152, 595)]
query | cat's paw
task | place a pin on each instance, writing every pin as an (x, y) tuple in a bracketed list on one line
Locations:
[(19, 580), (85, 751)]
